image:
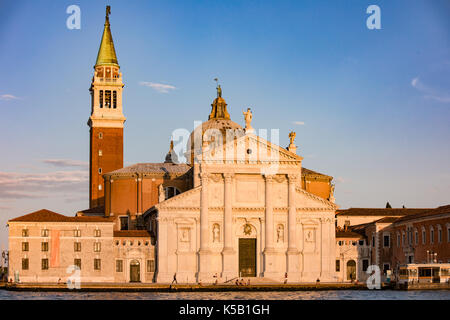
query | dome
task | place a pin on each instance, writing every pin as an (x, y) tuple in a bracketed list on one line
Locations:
[(209, 131), (218, 122)]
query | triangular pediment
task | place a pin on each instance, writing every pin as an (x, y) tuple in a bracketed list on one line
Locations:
[(188, 199), (249, 148)]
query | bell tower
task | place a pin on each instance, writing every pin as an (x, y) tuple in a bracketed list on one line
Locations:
[(107, 120)]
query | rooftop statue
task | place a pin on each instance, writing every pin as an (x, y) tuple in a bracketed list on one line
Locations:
[(248, 119), (292, 135)]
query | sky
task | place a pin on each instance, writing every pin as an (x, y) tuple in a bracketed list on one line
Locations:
[(371, 107)]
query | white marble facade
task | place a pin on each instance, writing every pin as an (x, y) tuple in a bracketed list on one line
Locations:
[(241, 197)]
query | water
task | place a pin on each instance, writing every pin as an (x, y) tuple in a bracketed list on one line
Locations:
[(286, 295)]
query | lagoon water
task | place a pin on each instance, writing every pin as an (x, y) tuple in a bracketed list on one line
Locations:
[(286, 295)]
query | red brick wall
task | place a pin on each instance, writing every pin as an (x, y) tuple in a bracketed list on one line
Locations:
[(130, 195), (419, 250), (111, 159)]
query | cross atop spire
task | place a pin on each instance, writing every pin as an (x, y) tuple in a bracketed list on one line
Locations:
[(107, 54)]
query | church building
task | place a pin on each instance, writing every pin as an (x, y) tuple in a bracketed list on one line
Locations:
[(241, 206)]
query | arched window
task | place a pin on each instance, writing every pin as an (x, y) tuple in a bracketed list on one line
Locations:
[(431, 235), (351, 270), (439, 228), (171, 192)]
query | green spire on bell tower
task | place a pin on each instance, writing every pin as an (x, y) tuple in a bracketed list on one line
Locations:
[(107, 54)]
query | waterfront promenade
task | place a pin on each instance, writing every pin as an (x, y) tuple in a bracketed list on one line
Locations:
[(140, 287)]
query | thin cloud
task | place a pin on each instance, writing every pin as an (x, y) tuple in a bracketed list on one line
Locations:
[(160, 87), (299, 123), (66, 163), (341, 180), (8, 97), (429, 93), (15, 185)]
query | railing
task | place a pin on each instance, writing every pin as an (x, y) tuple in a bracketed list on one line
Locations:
[(106, 80)]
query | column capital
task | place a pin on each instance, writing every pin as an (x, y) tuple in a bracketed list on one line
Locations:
[(204, 176), (228, 177), (269, 177), (293, 177)]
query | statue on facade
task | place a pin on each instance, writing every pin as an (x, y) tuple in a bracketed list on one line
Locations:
[(162, 193), (280, 233), (216, 233), (248, 119), (185, 235)]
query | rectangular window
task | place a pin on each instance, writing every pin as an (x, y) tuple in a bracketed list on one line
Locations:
[(386, 241), (150, 265), (403, 239), (44, 246), (97, 264), (77, 262), (77, 246), (77, 233), (338, 265), (398, 240), (114, 99), (119, 265), (448, 234), (25, 263), (107, 98), (365, 264), (97, 233), (424, 237), (25, 246), (100, 153), (44, 233), (25, 233), (373, 241), (416, 236), (101, 98), (97, 246), (44, 264), (432, 236), (123, 223)]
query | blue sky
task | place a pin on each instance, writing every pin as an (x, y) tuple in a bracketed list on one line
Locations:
[(374, 105)]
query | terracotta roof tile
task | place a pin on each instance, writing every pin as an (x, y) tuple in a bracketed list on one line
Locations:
[(308, 172), (387, 220), (92, 212), (158, 168), (348, 234), (395, 212), (427, 213), (45, 215)]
